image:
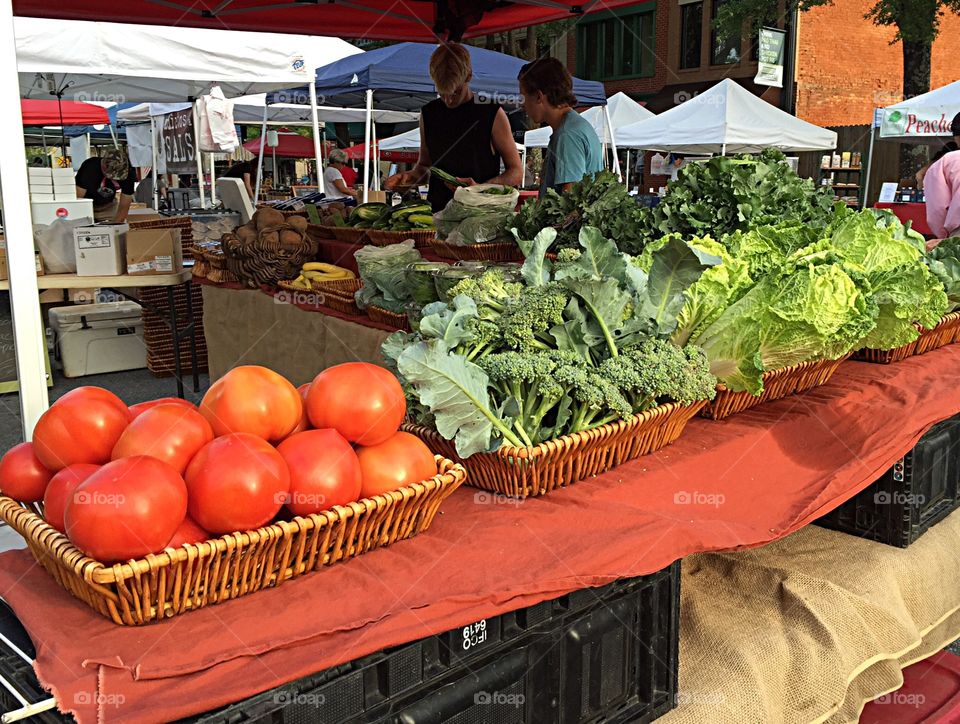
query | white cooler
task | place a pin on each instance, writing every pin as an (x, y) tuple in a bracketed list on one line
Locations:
[(96, 338)]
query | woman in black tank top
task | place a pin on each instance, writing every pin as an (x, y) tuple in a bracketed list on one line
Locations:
[(467, 139)]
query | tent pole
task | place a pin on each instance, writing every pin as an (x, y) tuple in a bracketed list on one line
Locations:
[(30, 339), (366, 146), (375, 154), (723, 150), (153, 161), (213, 181), (263, 138), (613, 143), (866, 183), (199, 156), (523, 165), (628, 170), (315, 122)]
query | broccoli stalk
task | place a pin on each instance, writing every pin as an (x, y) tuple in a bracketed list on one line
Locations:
[(595, 401), (526, 322), (527, 378)]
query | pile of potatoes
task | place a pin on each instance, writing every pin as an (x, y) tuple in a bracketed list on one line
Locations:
[(269, 248)]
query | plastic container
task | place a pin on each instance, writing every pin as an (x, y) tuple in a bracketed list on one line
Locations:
[(97, 338), (930, 693), (598, 655), (919, 491)]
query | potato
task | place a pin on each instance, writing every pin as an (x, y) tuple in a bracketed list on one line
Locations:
[(267, 217), (297, 223), (290, 239)]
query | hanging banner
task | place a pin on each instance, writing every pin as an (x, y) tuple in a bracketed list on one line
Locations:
[(176, 130), (921, 122), (771, 53)]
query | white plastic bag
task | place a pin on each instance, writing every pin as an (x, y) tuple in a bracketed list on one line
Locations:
[(55, 242), (475, 216), (478, 197)]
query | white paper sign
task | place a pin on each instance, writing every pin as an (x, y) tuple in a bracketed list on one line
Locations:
[(888, 192)]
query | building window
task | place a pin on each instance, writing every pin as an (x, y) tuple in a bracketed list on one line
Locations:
[(691, 33), (617, 45), (723, 50)]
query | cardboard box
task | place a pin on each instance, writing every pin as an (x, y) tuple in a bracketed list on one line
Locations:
[(100, 249), (378, 196), (5, 271), (52, 296), (154, 251), (37, 173), (136, 215)]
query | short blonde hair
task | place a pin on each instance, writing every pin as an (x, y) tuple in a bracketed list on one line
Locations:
[(450, 67)]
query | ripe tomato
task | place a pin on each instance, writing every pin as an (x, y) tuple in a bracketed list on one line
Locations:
[(304, 423), (127, 509), (141, 407), (82, 427), (255, 400), (361, 401), (22, 476), (89, 392), (171, 433), (324, 471), (60, 489), (237, 482), (188, 532), (401, 460)]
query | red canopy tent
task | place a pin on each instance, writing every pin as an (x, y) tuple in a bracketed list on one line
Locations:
[(356, 153), (418, 20), (66, 113), (290, 145)]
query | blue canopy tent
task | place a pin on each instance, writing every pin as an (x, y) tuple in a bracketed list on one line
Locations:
[(398, 77)]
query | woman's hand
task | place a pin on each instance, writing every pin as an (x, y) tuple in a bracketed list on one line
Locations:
[(401, 181), (933, 243), (464, 181)]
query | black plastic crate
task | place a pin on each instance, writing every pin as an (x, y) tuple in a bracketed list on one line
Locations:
[(920, 490), (605, 655)]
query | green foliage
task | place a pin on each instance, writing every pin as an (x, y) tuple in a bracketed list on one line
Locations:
[(944, 262)]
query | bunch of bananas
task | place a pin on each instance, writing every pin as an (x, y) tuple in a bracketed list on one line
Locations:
[(318, 271)]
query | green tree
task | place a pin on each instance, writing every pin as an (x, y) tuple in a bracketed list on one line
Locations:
[(917, 23)]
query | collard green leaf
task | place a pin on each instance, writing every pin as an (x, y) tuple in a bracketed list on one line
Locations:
[(536, 268), (674, 268), (448, 323), (600, 258)]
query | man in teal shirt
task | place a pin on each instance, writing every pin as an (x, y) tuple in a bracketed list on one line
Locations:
[(574, 150)]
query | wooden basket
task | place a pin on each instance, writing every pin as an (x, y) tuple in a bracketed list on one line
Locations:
[(340, 287), (493, 251), (343, 304), (946, 332), (391, 319), (522, 472), (348, 234), (180, 579), (422, 238), (776, 385)]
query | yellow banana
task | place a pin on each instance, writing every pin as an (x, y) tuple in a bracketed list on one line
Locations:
[(319, 266)]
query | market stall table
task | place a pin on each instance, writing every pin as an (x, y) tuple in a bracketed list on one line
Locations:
[(916, 213), (736, 484), (121, 282)]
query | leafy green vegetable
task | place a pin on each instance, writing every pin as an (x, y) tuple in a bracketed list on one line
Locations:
[(445, 177), (383, 272), (944, 262)]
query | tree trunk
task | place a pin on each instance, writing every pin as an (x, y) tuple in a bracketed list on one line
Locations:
[(530, 46), (916, 80)]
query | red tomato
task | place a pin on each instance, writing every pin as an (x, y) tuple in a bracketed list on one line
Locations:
[(237, 482), (254, 400), (361, 401), (188, 532), (60, 489), (171, 433), (324, 471), (82, 427), (89, 392), (22, 476), (127, 509), (142, 407), (401, 460), (304, 423)]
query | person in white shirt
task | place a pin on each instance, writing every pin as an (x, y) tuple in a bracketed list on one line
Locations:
[(334, 187)]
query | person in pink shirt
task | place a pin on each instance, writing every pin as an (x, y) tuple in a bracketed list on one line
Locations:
[(941, 188)]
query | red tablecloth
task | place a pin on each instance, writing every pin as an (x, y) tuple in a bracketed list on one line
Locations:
[(917, 213), (724, 485)]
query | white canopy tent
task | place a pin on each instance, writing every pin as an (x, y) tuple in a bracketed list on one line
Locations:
[(726, 118), (623, 112), (923, 119)]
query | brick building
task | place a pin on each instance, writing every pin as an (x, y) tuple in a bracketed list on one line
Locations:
[(663, 51)]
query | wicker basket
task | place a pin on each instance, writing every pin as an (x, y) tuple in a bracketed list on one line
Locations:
[(493, 251), (391, 319), (343, 304), (777, 384), (340, 287), (193, 576), (521, 472), (422, 238), (320, 233), (946, 332), (348, 234)]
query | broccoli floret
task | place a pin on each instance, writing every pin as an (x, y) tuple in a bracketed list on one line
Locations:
[(526, 320), (568, 255), (595, 401), (490, 289), (657, 371), (528, 379)]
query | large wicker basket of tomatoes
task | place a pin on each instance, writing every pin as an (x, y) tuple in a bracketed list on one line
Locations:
[(148, 511)]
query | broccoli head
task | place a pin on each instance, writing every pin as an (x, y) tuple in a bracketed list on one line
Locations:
[(527, 319), (490, 289)]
